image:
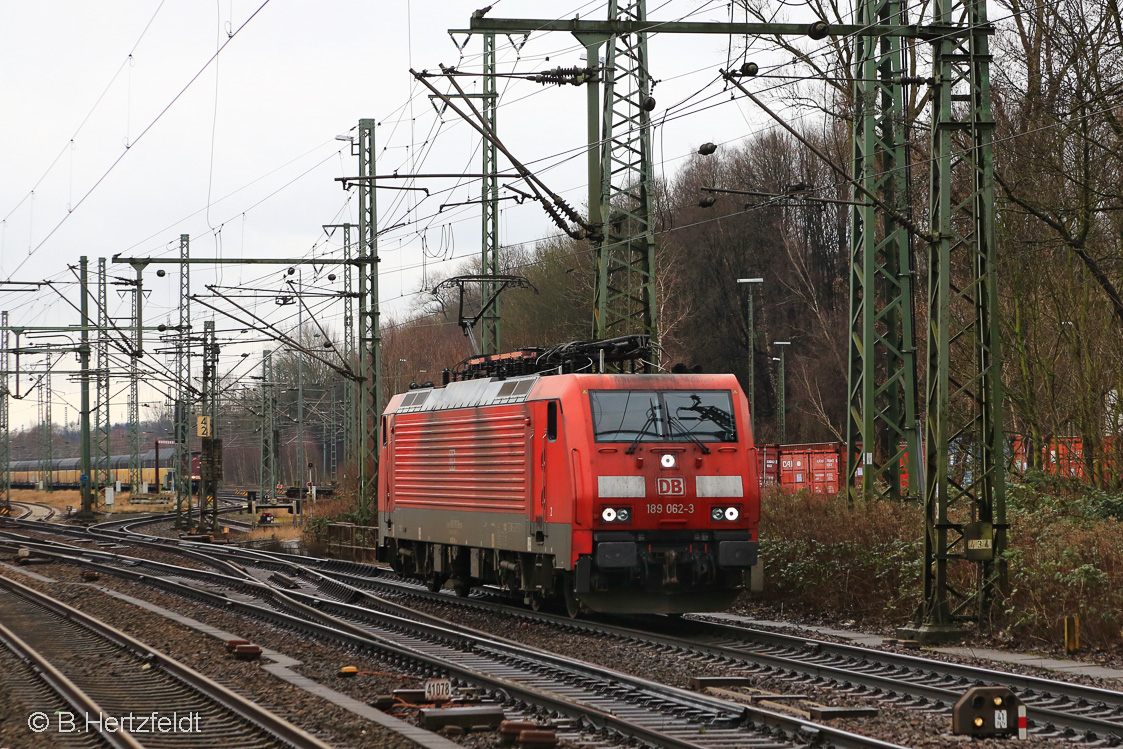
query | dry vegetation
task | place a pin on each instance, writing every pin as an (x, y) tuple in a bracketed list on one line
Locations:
[(862, 561), (63, 498)]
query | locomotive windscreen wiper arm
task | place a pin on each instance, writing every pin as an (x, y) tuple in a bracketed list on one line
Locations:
[(690, 436), (643, 431)]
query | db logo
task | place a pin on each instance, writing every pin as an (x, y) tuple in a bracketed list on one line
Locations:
[(671, 487)]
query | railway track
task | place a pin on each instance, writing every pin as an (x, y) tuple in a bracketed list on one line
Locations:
[(124, 693), (33, 511), (1058, 710), (522, 677)]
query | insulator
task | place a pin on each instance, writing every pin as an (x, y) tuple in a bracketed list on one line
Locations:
[(707, 202), (707, 149), (648, 103), (161, 273), (749, 69), (331, 276), (818, 30)]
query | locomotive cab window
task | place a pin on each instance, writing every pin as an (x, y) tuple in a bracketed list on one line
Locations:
[(663, 416), (552, 421)]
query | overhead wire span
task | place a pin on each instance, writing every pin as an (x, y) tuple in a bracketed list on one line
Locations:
[(138, 138)]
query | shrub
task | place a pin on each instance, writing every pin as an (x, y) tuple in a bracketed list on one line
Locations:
[(859, 560), (862, 560)]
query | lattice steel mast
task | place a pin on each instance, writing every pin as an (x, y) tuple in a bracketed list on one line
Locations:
[(370, 339), (268, 481), (5, 435), (624, 294), (883, 422), (351, 389), (182, 410), (134, 388), (101, 447), (210, 462), (965, 507), (490, 339), (46, 429)]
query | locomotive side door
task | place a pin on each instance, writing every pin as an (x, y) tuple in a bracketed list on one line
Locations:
[(552, 501)]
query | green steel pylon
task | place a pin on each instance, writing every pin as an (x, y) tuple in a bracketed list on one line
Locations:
[(965, 510), (47, 429), (182, 412), (624, 294), (883, 429), (5, 435), (267, 482), (490, 340), (370, 354), (101, 418)]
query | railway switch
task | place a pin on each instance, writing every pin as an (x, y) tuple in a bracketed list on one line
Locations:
[(989, 711)]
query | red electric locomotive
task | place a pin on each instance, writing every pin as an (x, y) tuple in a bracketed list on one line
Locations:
[(614, 493)]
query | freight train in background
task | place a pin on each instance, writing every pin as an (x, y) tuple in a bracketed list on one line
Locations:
[(66, 473), (608, 492)]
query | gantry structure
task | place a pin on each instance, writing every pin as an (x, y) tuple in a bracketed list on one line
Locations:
[(964, 506)]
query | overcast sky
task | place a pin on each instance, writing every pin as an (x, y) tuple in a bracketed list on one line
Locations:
[(118, 137)]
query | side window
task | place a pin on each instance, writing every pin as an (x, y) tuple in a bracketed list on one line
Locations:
[(552, 421), (384, 420)]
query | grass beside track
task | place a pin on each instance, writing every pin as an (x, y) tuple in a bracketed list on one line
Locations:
[(63, 498)]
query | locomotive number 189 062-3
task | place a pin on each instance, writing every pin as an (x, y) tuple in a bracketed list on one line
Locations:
[(670, 509)]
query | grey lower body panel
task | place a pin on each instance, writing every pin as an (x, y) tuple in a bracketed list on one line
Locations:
[(482, 530)]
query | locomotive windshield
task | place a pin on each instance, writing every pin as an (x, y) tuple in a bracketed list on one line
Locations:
[(663, 416)]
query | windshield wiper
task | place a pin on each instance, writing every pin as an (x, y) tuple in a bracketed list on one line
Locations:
[(690, 436), (643, 432)]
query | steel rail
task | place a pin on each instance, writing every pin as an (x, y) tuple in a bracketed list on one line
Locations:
[(1034, 690), (1042, 695), (307, 618), (248, 711), (81, 702)]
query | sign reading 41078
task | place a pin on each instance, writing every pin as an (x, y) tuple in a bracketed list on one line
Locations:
[(203, 426)]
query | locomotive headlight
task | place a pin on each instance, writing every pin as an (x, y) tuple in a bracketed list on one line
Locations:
[(668, 460), (717, 513), (616, 514), (724, 514), (731, 513)]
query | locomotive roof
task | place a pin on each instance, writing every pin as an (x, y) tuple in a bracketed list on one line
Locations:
[(494, 391)]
